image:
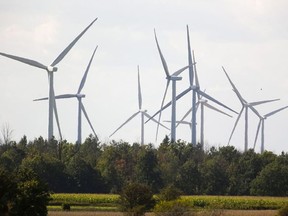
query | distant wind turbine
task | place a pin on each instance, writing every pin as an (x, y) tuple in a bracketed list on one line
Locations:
[(50, 70), (245, 105), (195, 89), (203, 103), (261, 124), (174, 77), (79, 97), (141, 111)]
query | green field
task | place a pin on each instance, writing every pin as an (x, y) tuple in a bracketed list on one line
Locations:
[(108, 202)]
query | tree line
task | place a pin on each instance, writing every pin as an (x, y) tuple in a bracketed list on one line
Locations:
[(94, 167)]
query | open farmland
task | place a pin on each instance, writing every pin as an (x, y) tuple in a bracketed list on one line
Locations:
[(96, 203), (223, 213)]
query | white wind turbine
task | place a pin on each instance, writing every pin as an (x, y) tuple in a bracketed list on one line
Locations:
[(195, 89), (203, 103), (141, 111), (245, 105), (174, 77), (261, 124), (79, 97), (50, 70)]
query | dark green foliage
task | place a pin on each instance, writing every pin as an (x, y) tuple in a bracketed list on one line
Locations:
[(136, 199), (92, 167), (22, 193), (273, 179)]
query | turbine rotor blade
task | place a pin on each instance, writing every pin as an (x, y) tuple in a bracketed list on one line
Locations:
[(139, 91), (255, 111), (236, 122), (217, 110), (160, 112), (261, 102), (88, 120), (154, 120), (86, 73), (234, 88), (69, 47), (162, 57), (275, 111), (191, 72), (257, 132), (25, 61), (214, 100), (129, 119), (56, 115), (168, 104), (186, 114), (181, 70), (196, 76), (41, 99)]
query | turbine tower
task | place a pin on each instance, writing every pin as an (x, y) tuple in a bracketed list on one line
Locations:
[(261, 124), (174, 77), (79, 97), (141, 111), (245, 105), (50, 70)]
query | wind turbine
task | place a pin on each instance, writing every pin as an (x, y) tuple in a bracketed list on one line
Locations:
[(174, 77), (245, 105), (261, 124), (50, 70), (79, 97), (195, 89), (141, 111), (203, 103)]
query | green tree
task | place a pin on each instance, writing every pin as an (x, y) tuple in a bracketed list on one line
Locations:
[(273, 179), (147, 170), (32, 195), (135, 199)]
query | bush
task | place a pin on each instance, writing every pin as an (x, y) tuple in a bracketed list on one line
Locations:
[(136, 199), (169, 193), (65, 207), (283, 211), (173, 208)]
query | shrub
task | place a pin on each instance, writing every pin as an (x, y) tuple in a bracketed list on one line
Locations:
[(283, 211), (173, 208), (169, 193), (136, 199), (65, 207)]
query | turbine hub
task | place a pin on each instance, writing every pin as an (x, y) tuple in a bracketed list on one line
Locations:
[(51, 69), (80, 95)]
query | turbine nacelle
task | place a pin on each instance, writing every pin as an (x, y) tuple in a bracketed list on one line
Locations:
[(174, 78)]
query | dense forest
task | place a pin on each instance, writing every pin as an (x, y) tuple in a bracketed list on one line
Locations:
[(94, 167)]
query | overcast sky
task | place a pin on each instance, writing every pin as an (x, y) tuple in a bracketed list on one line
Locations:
[(249, 38)]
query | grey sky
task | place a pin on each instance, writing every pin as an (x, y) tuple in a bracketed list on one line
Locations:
[(249, 38)]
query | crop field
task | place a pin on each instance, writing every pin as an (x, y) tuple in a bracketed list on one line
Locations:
[(106, 205), (223, 213)]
